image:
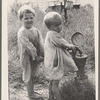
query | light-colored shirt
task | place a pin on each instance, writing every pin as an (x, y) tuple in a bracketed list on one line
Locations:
[(30, 43), (57, 60)]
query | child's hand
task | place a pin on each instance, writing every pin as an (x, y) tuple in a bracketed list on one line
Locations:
[(72, 47), (39, 59), (34, 56)]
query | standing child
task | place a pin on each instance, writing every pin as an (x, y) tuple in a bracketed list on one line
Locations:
[(57, 60), (30, 44)]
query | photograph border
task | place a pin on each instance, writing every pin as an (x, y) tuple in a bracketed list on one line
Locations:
[(0, 44)]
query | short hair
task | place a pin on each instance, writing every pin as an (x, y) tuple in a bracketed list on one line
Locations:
[(25, 9), (52, 18)]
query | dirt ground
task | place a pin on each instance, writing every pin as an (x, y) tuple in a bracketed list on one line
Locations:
[(17, 89)]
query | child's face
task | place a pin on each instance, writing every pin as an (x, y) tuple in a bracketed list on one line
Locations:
[(56, 28), (28, 20)]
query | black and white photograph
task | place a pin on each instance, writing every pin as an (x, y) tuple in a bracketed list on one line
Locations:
[(49, 50)]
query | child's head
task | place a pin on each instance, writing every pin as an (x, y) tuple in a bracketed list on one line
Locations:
[(53, 21), (26, 14)]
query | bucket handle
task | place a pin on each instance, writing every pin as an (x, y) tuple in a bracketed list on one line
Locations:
[(77, 50)]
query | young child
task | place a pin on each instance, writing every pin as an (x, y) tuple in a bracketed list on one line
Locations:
[(30, 44), (57, 60)]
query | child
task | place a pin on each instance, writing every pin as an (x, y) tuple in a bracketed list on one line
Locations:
[(30, 44), (57, 60)]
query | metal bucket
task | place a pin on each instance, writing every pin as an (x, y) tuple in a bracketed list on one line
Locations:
[(78, 56), (80, 61)]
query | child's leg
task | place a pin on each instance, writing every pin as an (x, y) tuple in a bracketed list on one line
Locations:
[(51, 95), (55, 90), (30, 87)]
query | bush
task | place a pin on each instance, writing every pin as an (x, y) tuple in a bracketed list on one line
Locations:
[(72, 89)]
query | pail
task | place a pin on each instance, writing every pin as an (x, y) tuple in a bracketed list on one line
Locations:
[(80, 60)]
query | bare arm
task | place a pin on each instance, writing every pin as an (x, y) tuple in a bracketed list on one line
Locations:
[(58, 41)]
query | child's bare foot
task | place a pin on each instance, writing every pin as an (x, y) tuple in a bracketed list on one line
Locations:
[(51, 99), (36, 99), (35, 96)]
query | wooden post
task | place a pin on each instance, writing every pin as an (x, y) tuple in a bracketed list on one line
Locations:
[(61, 6), (65, 9)]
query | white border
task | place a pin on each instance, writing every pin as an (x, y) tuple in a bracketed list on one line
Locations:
[(96, 24), (4, 83)]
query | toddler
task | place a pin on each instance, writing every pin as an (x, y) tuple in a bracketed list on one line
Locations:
[(30, 44), (57, 60)]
